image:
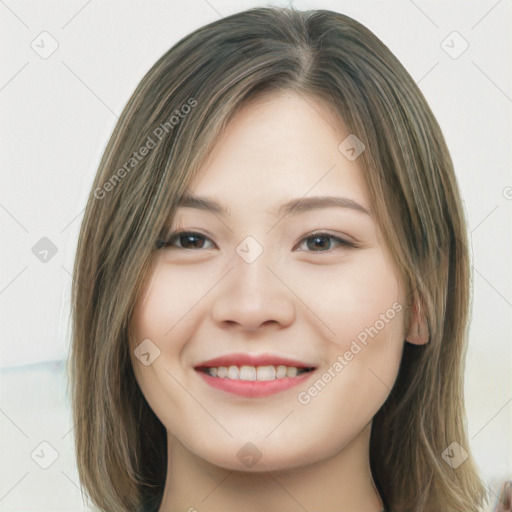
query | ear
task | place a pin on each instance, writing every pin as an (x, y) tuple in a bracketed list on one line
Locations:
[(418, 333)]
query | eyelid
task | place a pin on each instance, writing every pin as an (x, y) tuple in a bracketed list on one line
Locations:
[(171, 238), (342, 238)]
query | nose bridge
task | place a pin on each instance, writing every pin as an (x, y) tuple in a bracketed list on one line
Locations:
[(249, 250), (251, 277), (252, 295)]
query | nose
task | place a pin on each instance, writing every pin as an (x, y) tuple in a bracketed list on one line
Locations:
[(252, 296)]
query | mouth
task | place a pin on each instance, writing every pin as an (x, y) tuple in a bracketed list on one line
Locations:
[(253, 373), (254, 376)]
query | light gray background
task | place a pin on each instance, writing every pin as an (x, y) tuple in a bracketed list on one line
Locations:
[(57, 114)]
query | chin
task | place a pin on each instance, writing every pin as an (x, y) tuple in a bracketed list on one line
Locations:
[(259, 456)]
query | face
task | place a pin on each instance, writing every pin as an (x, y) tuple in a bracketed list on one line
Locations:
[(302, 308)]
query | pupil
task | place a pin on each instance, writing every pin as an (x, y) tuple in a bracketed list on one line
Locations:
[(319, 239), (191, 239)]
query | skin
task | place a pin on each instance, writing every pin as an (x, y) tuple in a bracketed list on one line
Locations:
[(208, 301)]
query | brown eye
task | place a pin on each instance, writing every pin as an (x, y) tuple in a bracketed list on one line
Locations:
[(322, 242), (186, 240)]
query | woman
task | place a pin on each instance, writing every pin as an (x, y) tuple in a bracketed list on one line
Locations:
[(224, 355)]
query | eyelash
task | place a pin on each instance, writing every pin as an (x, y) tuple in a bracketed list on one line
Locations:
[(176, 236)]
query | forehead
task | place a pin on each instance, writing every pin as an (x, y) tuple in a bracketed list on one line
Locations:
[(279, 147)]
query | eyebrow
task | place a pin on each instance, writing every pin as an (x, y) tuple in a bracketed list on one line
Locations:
[(294, 206)]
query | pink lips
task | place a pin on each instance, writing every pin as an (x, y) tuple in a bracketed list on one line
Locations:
[(241, 359), (253, 389)]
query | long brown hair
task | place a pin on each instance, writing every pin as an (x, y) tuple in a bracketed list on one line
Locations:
[(177, 113)]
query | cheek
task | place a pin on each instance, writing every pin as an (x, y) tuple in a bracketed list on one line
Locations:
[(167, 313), (167, 306), (352, 298), (363, 304), (366, 310), (164, 315), (155, 319)]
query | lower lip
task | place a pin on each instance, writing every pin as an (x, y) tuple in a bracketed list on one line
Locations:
[(254, 389)]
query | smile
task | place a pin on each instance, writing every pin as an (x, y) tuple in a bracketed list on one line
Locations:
[(253, 375)]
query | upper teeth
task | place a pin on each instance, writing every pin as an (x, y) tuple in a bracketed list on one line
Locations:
[(254, 372)]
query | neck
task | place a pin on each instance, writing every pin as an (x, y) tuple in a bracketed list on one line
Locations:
[(341, 483)]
